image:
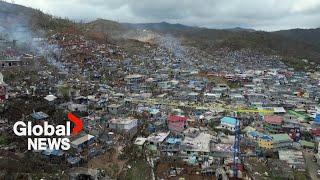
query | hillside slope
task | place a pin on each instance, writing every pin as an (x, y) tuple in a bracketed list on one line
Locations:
[(309, 36), (293, 45)]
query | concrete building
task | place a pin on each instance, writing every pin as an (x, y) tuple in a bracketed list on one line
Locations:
[(127, 126), (155, 140), (176, 123), (197, 145), (210, 97), (77, 107), (273, 124), (275, 141), (82, 141), (4, 63), (3, 89), (133, 82), (133, 78), (229, 123), (115, 108), (294, 158), (25, 60), (265, 142)]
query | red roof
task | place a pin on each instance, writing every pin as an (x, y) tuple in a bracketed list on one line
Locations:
[(173, 118), (273, 119), (315, 132)]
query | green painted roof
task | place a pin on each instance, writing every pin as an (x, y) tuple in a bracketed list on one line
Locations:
[(300, 116), (280, 137), (306, 143)]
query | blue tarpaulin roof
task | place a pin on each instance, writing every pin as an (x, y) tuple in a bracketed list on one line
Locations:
[(192, 159), (266, 137), (39, 115), (229, 120), (73, 160), (253, 133), (317, 119), (173, 140), (153, 111), (53, 152)]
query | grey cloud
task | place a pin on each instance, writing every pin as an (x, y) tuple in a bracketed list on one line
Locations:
[(265, 15)]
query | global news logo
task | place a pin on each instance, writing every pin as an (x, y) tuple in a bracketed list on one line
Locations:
[(47, 136)]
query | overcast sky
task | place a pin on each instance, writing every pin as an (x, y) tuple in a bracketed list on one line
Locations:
[(257, 14)]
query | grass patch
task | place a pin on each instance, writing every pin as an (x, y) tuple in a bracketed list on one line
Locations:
[(139, 170), (3, 140), (300, 175)]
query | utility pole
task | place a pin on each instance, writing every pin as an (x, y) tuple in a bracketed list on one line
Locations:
[(236, 153)]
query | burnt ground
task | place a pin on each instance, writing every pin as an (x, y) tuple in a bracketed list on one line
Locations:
[(16, 161), (188, 172), (21, 108), (29, 164)]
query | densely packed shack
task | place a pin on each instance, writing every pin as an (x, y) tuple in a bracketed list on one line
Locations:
[(172, 111)]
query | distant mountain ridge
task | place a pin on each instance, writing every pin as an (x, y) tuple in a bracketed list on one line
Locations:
[(293, 44), (310, 36), (162, 26)]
